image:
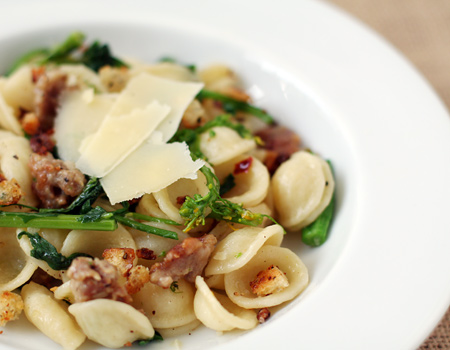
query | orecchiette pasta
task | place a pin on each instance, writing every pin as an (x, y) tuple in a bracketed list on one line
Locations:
[(166, 308), (237, 283), (235, 250), (15, 265), (217, 312), (251, 186), (302, 188), (50, 316), (111, 323), (8, 120), (98, 241), (222, 144)]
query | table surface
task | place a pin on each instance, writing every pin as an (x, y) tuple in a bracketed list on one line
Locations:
[(420, 29)]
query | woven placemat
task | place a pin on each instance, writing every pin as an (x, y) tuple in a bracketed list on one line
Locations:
[(420, 29)]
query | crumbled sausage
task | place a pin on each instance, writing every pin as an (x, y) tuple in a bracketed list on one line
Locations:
[(48, 89), (280, 144), (146, 254), (263, 315), (186, 259), (10, 192), (269, 281), (56, 182), (42, 142), (11, 306), (96, 279)]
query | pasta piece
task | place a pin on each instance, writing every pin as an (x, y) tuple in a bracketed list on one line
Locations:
[(252, 185), (166, 70), (217, 312), (327, 194), (221, 144), (78, 75), (111, 323), (50, 316), (237, 283), (171, 198), (149, 206), (159, 245), (95, 242), (14, 155), (167, 308), (16, 267), (301, 186), (176, 331), (240, 246), (222, 79), (8, 120), (215, 281), (18, 89), (64, 292)]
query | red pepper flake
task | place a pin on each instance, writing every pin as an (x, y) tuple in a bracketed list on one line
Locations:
[(243, 166), (1, 332), (181, 200)]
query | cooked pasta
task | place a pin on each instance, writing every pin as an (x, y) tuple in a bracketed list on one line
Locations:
[(142, 201)]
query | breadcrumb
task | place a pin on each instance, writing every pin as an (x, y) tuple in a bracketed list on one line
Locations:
[(11, 306), (269, 281)]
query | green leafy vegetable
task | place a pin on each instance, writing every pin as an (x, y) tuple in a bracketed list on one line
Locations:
[(80, 215), (98, 55), (51, 220), (73, 51), (195, 210), (61, 52), (316, 233), (83, 203), (232, 105), (144, 342), (43, 250), (227, 185)]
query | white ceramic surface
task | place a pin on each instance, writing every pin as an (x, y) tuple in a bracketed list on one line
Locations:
[(381, 281)]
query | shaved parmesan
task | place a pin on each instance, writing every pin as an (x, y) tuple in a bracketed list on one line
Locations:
[(117, 137), (144, 88), (78, 117), (150, 168)]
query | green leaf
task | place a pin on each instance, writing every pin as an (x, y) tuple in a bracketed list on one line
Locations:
[(232, 105), (99, 55), (227, 185), (45, 251)]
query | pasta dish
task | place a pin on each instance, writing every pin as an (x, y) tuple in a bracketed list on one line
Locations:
[(140, 201)]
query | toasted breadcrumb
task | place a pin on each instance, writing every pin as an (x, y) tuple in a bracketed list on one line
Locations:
[(11, 306), (137, 277), (269, 281), (122, 258), (10, 192)]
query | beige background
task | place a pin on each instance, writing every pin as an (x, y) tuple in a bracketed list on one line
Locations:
[(420, 29)]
